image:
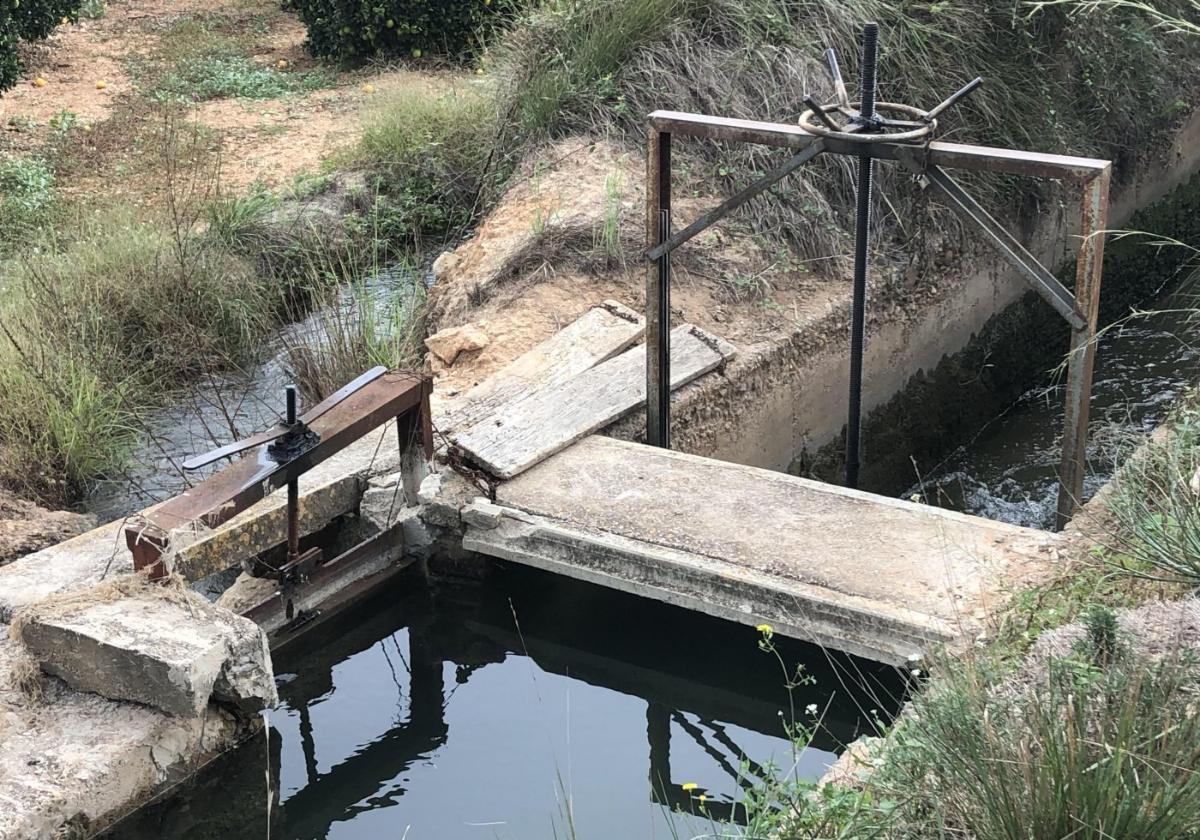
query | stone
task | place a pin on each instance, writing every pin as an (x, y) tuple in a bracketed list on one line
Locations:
[(855, 765), (452, 341), (383, 506), (245, 592), (166, 648)]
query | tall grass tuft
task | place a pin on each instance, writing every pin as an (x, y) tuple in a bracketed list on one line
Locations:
[(1082, 751), (365, 311), (1156, 505)]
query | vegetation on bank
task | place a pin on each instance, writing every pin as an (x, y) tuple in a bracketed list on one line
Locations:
[(434, 164)]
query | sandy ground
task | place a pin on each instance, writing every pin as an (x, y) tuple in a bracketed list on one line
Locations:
[(264, 141)]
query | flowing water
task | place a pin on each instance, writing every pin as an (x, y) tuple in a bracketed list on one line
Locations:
[(524, 706), (1009, 470)]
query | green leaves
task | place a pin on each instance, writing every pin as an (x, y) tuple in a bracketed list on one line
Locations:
[(351, 29)]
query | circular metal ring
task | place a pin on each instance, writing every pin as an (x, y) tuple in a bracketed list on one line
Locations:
[(810, 123)]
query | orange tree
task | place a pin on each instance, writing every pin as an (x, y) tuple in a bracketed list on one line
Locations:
[(27, 20)]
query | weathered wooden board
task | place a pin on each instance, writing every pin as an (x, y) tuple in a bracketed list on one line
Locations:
[(522, 433), (596, 336)]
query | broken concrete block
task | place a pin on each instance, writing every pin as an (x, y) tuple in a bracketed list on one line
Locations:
[(383, 507), (167, 648), (443, 495), (450, 342), (247, 591)]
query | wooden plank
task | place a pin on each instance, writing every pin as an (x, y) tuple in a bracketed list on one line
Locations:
[(548, 420), (949, 155), (599, 334)]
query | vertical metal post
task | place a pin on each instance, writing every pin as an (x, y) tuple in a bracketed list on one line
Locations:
[(870, 53), (658, 288), (293, 488), (1088, 268)]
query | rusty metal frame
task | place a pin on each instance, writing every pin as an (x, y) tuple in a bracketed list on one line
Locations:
[(401, 395), (930, 160)]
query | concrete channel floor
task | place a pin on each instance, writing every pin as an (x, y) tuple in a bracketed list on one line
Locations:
[(861, 573)]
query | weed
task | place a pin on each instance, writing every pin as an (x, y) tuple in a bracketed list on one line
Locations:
[(365, 314), (93, 9), (26, 197), (236, 220), (606, 240), (429, 156), (218, 76), (1156, 506)]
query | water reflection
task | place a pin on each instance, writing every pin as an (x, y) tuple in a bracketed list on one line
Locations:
[(518, 709)]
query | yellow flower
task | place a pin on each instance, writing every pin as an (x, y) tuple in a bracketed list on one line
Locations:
[(690, 786), (703, 798), (765, 629)]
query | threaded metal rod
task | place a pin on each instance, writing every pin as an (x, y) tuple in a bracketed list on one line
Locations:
[(862, 229)]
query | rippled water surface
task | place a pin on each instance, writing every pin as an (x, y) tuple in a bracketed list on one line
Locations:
[(1009, 471)]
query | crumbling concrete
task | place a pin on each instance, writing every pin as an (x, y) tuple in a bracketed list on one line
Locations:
[(166, 648), (384, 505), (72, 762)]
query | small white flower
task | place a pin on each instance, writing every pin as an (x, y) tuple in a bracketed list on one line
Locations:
[(811, 708), (916, 672)]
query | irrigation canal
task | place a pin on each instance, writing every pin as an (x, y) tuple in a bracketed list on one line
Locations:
[(523, 706)]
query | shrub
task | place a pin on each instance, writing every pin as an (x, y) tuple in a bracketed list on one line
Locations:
[(27, 20), (430, 160), (355, 29), (26, 196)]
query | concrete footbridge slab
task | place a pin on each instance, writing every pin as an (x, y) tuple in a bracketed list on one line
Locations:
[(856, 572)]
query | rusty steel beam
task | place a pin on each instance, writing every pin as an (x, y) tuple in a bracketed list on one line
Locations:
[(1089, 265), (230, 491), (1034, 273), (658, 292), (946, 155), (735, 201)]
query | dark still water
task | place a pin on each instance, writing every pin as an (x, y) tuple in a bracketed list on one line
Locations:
[(526, 706), (1009, 471)]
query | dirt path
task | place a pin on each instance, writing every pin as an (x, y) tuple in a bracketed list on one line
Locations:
[(93, 71)]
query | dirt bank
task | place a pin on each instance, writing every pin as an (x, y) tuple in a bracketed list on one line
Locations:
[(539, 259), (26, 527)]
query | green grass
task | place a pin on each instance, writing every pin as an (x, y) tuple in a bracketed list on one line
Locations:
[(1156, 509), (1099, 746), (103, 324), (218, 76), (27, 199), (429, 161)]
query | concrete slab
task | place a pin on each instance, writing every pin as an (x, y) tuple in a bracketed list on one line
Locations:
[(166, 648), (874, 576), (71, 762)]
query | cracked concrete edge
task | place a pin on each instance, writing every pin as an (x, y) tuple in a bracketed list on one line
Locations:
[(329, 490), (864, 627)]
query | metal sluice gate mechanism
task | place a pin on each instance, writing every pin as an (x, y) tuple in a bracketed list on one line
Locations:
[(278, 457), (869, 130)]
